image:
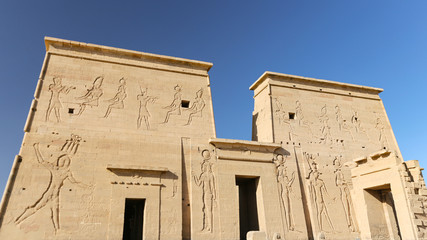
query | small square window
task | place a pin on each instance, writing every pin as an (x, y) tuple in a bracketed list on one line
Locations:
[(71, 110), (291, 115), (185, 103)]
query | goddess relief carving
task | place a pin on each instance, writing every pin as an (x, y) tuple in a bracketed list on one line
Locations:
[(206, 180), (318, 191), (117, 101), (197, 106), (144, 114), (285, 189), (175, 106), (58, 165), (55, 103), (92, 95), (347, 204)]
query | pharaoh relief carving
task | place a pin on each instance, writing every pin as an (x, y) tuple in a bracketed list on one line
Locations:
[(117, 101), (58, 164), (92, 95), (342, 123), (206, 180), (381, 134), (345, 195), (197, 106), (318, 192), (285, 190), (55, 102), (325, 129), (144, 114), (175, 107)]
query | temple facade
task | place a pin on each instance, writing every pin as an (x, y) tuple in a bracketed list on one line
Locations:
[(121, 144)]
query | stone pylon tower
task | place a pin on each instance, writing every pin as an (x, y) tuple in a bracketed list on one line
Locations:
[(121, 144)]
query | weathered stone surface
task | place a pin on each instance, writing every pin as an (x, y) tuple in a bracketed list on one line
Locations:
[(109, 128)]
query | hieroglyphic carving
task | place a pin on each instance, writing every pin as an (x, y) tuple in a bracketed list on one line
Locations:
[(284, 119), (197, 106), (55, 103), (58, 165), (357, 124), (206, 180), (346, 201), (91, 97), (175, 106), (144, 114), (381, 134), (342, 124), (325, 129), (318, 191), (117, 100), (285, 189)]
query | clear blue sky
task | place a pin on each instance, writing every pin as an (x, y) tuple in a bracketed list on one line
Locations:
[(374, 43)]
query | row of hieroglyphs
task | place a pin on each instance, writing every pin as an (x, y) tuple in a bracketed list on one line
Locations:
[(92, 95), (353, 126), (318, 192)]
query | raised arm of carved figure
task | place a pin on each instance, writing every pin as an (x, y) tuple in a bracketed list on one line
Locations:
[(38, 154), (74, 181), (40, 157), (292, 179), (310, 164)]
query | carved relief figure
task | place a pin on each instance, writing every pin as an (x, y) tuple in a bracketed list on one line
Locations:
[(318, 191), (342, 124), (175, 106), (197, 106), (117, 101), (58, 165), (206, 180), (357, 123), (92, 95), (347, 204), (55, 103), (299, 115), (381, 134), (285, 189), (283, 118), (144, 114), (325, 129)]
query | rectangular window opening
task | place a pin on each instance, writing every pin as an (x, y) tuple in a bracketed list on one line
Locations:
[(291, 115), (248, 212), (134, 219), (185, 104), (71, 110)]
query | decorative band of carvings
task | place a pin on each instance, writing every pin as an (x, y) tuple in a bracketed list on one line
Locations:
[(247, 159), (114, 167)]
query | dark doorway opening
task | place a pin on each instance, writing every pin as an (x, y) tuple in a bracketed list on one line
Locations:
[(248, 212), (382, 212), (134, 219)]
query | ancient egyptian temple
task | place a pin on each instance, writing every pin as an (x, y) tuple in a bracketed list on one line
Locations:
[(121, 144)]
